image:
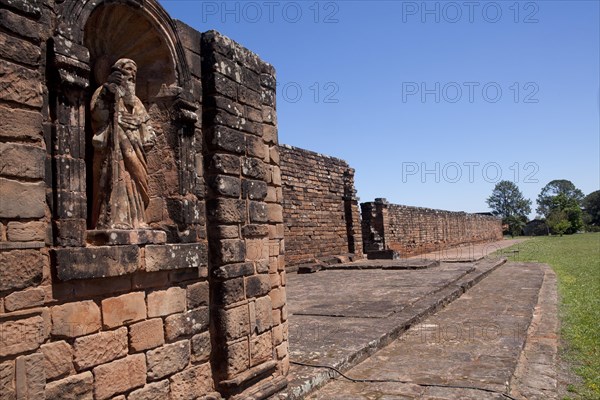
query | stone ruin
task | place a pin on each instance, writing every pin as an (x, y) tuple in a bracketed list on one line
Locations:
[(144, 201)]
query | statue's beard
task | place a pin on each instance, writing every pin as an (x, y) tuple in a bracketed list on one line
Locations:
[(128, 93)]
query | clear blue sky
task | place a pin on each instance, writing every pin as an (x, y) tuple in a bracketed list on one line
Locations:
[(396, 87)]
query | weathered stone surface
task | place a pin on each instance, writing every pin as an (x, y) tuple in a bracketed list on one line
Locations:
[(19, 51), (75, 319), (186, 324), (125, 309), (96, 262), (58, 359), (21, 335), (30, 377), (261, 349), (27, 231), (229, 292), (7, 380), (19, 84), (227, 139), (26, 299), (250, 231), (152, 391), (100, 348), (29, 125), (257, 285), (20, 25), (166, 302), (146, 335), (225, 164), (234, 270), (175, 256), (191, 383), (264, 315), (257, 249), (76, 387), (236, 358), (226, 211), (168, 359), (20, 269), (229, 250), (119, 376), (22, 161), (277, 297), (226, 185), (234, 323), (254, 168), (22, 199), (197, 295), (258, 212), (201, 347)]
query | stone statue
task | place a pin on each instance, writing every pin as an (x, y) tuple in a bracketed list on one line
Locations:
[(122, 134)]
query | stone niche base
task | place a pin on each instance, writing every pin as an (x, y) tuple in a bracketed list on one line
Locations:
[(116, 237)]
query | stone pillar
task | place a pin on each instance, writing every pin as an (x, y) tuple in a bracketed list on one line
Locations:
[(245, 221)]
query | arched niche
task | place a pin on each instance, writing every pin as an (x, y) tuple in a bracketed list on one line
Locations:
[(89, 38)]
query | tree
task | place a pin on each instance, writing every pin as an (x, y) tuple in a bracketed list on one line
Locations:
[(558, 222), (508, 202), (564, 208), (553, 189), (591, 206)]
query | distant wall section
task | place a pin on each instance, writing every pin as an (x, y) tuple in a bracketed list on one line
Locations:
[(320, 207), (417, 230)]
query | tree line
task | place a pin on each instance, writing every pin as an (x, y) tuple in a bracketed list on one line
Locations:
[(561, 207)]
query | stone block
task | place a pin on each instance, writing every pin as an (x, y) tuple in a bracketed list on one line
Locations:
[(70, 232), (254, 168), (233, 323), (30, 377), (20, 25), (227, 139), (258, 212), (197, 295), (256, 147), (201, 347), (58, 359), (254, 190), (96, 262), (225, 185), (236, 358), (100, 348), (175, 256), (225, 164), (275, 213), (192, 383), (124, 309), (20, 124), (119, 376), (234, 270), (22, 161), (76, 387), (166, 302), (230, 291), (152, 391), (146, 335), (227, 211), (261, 349), (229, 250), (18, 84), (277, 298), (258, 285), (22, 199), (20, 51), (22, 335), (75, 319), (257, 249), (27, 231), (168, 359), (264, 316), (7, 380), (26, 299), (186, 324)]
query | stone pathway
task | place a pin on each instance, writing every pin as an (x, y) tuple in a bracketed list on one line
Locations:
[(472, 349), (468, 253)]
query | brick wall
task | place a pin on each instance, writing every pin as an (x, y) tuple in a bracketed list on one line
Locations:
[(320, 207), (416, 230), (195, 307)]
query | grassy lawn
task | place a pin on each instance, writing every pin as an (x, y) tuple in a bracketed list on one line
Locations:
[(576, 261)]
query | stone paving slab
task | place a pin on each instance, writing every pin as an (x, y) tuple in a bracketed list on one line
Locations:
[(340, 317), (472, 349), (386, 264)]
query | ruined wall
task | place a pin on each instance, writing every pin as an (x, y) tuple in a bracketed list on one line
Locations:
[(245, 220), (416, 230), (320, 207), (137, 314)]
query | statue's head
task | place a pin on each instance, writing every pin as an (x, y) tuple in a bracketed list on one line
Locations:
[(128, 69)]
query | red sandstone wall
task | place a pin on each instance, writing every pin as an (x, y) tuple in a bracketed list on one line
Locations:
[(416, 230), (320, 209)]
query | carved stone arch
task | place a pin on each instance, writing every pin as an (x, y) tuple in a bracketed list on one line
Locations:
[(74, 15)]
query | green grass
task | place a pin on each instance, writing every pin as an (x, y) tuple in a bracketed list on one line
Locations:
[(576, 261)]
